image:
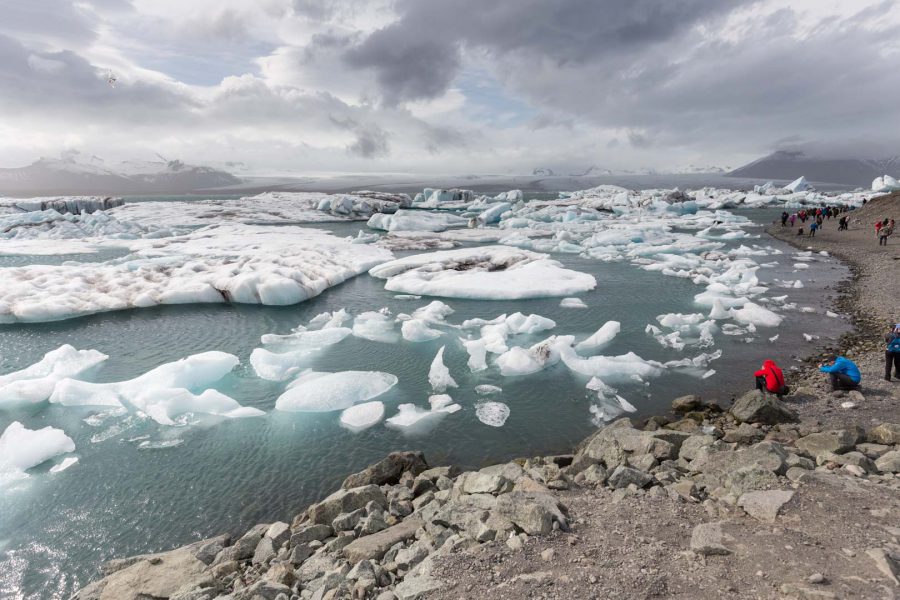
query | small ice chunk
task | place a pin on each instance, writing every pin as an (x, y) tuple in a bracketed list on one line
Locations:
[(612, 368), (375, 326), (362, 416), (487, 390), (417, 330), (572, 303), (493, 414), (415, 420), (774, 338), (517, 361), (334, 391), (477, 354), (22, 448), (601, 338), (435, 312), (64, 464), (754, 314), (309, 339), (810, 338), (439, 375), (275, 366), (848, 405), (833, 315)]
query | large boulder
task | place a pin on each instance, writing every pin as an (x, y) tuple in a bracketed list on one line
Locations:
[(532, 513), (707, 539), (756, 407), (889, 462), (483, 483), (886, 433), (345, 501), (624, 476), (685, 404), (374, 547), (388, 470), (765, 505), (835, 440)]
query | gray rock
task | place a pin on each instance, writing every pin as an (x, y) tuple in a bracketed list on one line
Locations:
[(595, 474), (376, 545), (744, 434), (889, 462), (624, 476), (388, 470), (707, 539), (533, 513), (835, 440), (300, 553), (765, 505), (310, 533), (885, 564), (793, 460), (693, 444), (261, 590), (315, 567), (873, 451), (435, 472), (362, 570), (805, 592), (686, 404), (886, 433), (244, 547), (642, 462), (400, 508), (279, 533), (372, 524), (510, 470), (483, 483), (160, 576), (418, 583), (265, 551), (345, 501), (348, 521), (282, 573), (748, 479), (756, 407)]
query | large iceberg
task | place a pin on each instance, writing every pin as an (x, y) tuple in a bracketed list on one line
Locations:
[(415, 220), (228, 263), (35, 383), (164, 393), (324, 392), (489, 273)]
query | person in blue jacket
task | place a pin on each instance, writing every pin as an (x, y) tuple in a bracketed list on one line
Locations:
[(844, 373)]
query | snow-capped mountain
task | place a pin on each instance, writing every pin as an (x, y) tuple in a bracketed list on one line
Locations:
[(74, 173)]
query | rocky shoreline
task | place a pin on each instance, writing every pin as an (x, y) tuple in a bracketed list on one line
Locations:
[(762, 499)]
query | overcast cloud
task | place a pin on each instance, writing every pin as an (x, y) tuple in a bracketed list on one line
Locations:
[(447, 86)]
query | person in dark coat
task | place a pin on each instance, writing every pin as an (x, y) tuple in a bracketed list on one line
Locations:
[(892, 352)]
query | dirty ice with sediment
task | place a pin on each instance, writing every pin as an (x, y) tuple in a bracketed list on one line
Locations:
[(234, 339)]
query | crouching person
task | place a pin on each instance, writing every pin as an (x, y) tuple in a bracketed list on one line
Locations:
[(771, 379), (843, 372)]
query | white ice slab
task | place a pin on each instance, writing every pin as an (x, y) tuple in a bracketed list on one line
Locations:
[(35, 383), (22, 448), (335, 391)]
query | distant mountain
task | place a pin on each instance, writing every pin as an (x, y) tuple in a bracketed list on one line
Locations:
[(790, 164), (75, 174), (594, 171), (695, 170)]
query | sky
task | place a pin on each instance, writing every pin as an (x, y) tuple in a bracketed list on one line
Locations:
[(446, 86)]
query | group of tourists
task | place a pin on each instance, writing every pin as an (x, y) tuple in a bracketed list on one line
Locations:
[(816, 216), (842, 372), (883, 230)]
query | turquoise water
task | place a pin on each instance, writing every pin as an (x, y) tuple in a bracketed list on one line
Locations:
[(220, 475)]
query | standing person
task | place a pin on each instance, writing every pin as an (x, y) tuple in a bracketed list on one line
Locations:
[(884, 233), (793, 219), (878, 225), (812, 229), (843, 373), (770, 378), (784, 218), (892, 351)]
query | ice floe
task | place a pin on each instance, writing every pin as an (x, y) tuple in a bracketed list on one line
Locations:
[(324, 392), (414, 220), (439, 375), (35, 383), (22, 448), (493, 414), (572, 303), (229, 263), (376, 326), (601, 338), (164, 393), (413, 419), (489, 273), (362, 416)]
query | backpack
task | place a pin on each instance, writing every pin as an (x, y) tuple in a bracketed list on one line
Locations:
[(894, 345)]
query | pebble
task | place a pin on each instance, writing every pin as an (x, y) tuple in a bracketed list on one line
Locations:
[(816, 578), (592, 579), (548, 554)]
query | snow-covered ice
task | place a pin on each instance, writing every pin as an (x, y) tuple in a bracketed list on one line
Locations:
[(415, 220), (228, 263), (417, 330), (376, 326), (487, 272), (601, 338), (323, 392)]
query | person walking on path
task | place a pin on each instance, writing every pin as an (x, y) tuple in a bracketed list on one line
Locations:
[(892, 351), (784, 218), (843, 373), (884, 233), (770, 379), (812, 229), (793, 219)]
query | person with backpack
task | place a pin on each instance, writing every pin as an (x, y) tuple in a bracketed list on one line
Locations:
[(892, 352), (843, 372), (771, 379)]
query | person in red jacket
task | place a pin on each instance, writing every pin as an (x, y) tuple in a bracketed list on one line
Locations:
[(770, 379)]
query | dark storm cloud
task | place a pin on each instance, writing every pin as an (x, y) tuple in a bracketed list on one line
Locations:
[(418, 56)]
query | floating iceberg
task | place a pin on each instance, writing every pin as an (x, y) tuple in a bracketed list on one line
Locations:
[(415, 420), (229, 263), (439, 375), (415, 220), (35, 383), (493, 414), (324, 392), (487, 390), (375, 326), (613, 369), (477, 354), (22, 448), (163, 393), (601, 338), (754, 314), (489, 273), (362, 416), (417, 330), (524, 361), (572, 303)]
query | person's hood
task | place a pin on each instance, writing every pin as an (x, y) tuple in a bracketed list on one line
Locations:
[(769, 363)]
